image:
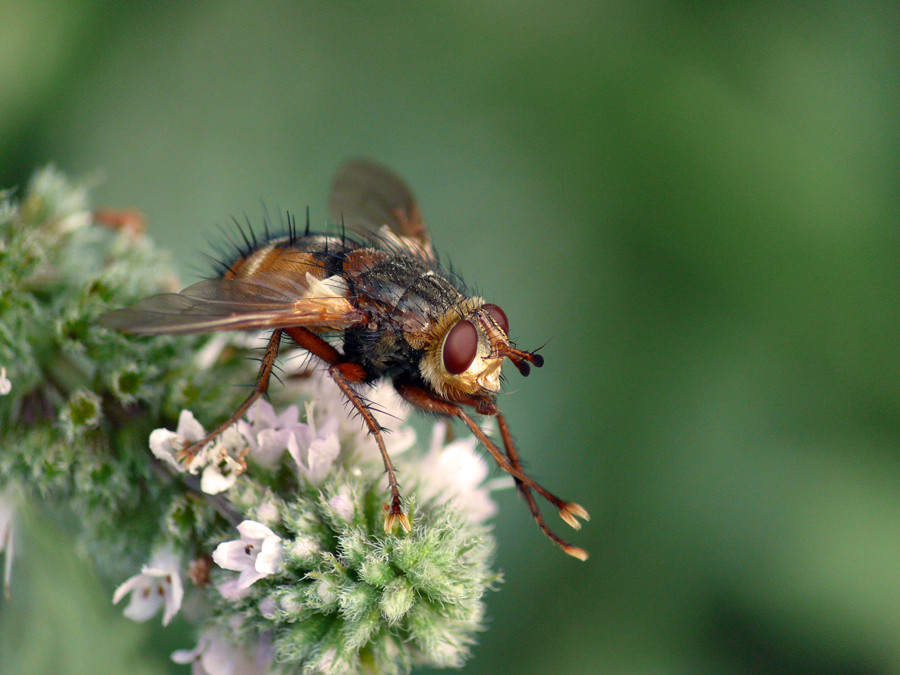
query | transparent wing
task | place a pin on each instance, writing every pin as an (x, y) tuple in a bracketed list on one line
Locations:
[(266, 301), (366, 196)]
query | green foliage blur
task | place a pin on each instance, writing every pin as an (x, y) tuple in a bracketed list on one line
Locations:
[(696, 204)]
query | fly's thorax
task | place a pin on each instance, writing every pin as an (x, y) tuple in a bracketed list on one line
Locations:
[(464, 351)]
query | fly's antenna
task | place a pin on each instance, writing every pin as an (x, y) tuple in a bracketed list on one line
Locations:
[(521, 359)]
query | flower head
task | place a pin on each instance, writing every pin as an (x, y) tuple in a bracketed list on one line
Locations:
[(157, 586)]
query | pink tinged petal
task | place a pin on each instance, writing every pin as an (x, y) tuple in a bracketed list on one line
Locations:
[(185, 656), (235, 555), (457, 472), (249, 577), (293, 448), (220, 658), (262, 413), (267, 607), (267, 433), (315, 449), (231, 590), (289, 417), (322, 453), (268, 512), (246, 431), (342, 505), (269, 445)]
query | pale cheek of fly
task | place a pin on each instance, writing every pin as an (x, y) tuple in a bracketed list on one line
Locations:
[(491, 381)]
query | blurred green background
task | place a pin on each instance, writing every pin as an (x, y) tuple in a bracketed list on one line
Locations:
[(696, 204)]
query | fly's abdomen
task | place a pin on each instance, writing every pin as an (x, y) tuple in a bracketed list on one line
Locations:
[(316, 254)]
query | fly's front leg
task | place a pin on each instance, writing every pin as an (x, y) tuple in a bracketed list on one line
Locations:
[(346, 374), (261, 387), (509, 462), (523, 489)]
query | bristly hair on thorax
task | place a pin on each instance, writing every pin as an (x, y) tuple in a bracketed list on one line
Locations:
[(240, 240)]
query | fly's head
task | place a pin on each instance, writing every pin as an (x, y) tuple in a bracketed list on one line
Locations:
[(466, 349)]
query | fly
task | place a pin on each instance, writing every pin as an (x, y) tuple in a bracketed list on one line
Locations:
[(400, 314)]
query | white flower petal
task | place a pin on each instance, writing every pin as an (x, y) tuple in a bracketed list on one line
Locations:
[(213, 481), (163, 446), (322, 454), (188, 427), (145, 602), (232, 590), (174, 598), (249, 577), (234, 555), (456, 472), (185, 656), (250, 529), (269, 558), (127, 587)]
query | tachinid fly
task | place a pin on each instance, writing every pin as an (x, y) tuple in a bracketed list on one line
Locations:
[(400, 315)]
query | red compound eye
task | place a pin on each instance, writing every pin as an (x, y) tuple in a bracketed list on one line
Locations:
[(499, 316), (460, 347)]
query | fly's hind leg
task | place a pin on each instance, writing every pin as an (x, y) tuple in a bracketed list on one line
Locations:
[(346, 374), (262, 386)]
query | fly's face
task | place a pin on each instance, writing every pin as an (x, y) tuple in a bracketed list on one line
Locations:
[(466, 351)]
